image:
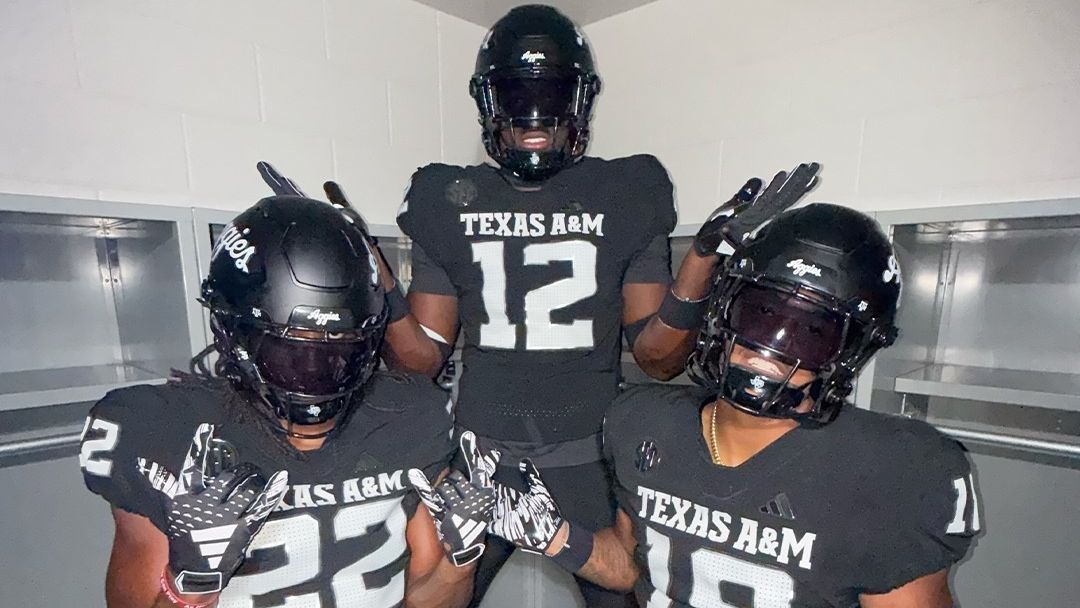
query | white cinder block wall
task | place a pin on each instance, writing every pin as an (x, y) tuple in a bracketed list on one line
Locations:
[(907, 103), (156, 101)]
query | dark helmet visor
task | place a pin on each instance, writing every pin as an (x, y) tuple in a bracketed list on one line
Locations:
[(787, 323), (518, 97), (312, 367)]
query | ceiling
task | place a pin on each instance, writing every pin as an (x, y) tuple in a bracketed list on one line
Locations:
[(487, 12)]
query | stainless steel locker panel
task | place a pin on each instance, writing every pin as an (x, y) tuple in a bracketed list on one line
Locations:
[(102, 291), (989, 343)]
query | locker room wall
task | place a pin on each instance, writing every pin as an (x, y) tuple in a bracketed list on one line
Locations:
[(174, 102), (907, 103)]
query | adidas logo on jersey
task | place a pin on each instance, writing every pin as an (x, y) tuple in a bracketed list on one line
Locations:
[(213, 542), (779, 507)]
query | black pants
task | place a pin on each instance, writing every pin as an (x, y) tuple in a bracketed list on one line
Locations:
[(583, 493)]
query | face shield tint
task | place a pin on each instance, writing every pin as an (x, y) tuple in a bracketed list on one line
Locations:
[(312, 367), (787, 324), (534, 98)]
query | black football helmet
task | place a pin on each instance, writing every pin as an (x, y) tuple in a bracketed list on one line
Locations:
[(296, 308), (816, 289), (534, 86)]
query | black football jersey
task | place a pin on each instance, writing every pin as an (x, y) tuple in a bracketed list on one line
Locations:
[(820, 516), (338, 538), (538, 275)]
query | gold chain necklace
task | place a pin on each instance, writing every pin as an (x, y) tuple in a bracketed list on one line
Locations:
[(713, 450)]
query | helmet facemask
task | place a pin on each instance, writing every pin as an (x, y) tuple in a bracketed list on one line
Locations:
[(300, 376), (535, 122), (780, 329)]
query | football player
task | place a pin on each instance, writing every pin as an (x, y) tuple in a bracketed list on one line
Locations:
[(764, 488), (286, 481), (546, 261)]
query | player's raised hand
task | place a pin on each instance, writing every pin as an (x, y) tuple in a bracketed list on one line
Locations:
[(461, 506), (281, 185), (736, 219), (336, 195), (212, 518)]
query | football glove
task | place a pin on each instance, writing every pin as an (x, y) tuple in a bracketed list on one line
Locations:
[(528, 519), (283, 186), (462, 506), (734, 221), (212, 518)]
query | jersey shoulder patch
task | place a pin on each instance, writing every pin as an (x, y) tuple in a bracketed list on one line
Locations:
[(436, 193)]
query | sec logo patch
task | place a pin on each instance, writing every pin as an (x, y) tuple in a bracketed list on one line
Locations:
[(648, 456)]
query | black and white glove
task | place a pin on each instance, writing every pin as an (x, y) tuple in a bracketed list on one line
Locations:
[(212, 519), (738, 218), (283, 186), (529, 519), (462, 506)]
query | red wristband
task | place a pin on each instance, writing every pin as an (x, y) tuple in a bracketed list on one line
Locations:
[(174, 597)]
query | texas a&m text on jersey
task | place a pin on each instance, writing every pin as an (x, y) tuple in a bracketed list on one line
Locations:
[(861, 505), (337, 537), (538, 274)]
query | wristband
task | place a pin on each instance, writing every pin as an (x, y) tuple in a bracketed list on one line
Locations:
[(173, 597), (577, 549), (396, 303), (678, 313)]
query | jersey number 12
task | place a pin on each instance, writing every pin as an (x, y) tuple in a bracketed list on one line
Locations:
[(540, 332)]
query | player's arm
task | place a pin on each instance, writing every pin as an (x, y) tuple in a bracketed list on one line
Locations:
[(930, 591), (611, 563), (140, 553), (422, 340), (664, 340), (936, 518), (423, 327)]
